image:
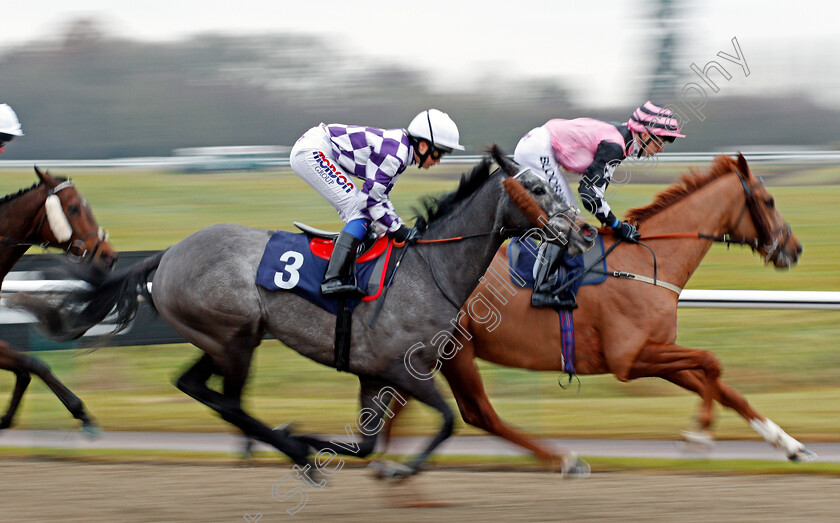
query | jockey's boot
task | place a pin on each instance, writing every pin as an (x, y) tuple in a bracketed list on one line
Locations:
[(342, 267), (548, 269)]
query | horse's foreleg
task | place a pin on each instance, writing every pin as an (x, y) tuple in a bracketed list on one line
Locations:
[(729, 397), (425, 391), (662, 360), (692, 380), (23, 365), (396, 406), (462, 374), (10, 360)]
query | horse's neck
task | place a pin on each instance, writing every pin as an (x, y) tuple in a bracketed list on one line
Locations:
[(458, 265), (709, 210), (19, 219)]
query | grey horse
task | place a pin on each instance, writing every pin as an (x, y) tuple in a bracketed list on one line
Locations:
[(204, 288)]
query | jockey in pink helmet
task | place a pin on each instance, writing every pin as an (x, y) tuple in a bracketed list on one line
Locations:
[(593, 149), (654, 123)]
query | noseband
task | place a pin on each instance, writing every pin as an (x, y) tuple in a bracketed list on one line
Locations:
[(771, 241)]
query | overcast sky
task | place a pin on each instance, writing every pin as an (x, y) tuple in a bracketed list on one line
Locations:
[(598, 49)]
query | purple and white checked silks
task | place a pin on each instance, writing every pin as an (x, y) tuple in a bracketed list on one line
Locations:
[(377, 156)]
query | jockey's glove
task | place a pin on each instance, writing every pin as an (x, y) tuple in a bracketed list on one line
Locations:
[(625, 231), (406, 234)]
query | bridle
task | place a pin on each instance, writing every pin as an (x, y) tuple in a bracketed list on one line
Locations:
[(76, 250), (770, 240)]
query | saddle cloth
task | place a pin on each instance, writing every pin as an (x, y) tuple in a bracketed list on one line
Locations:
[(522, 254), (296, 262)]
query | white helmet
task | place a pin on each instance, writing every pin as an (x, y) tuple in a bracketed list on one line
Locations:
[(9, 123), (437, 128)]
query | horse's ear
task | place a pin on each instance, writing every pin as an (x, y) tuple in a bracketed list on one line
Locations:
[(742, 165), (508, 166), (44, 176)]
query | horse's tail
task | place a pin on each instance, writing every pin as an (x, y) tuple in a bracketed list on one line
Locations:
[(113, 296)]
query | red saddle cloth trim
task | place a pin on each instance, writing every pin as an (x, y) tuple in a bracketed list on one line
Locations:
[(323, 249)]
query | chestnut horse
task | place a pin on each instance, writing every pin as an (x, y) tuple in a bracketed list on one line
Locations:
[(51, 213), (629, 328)]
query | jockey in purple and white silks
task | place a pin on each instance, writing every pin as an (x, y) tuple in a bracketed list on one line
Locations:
[(593, 149), (355, 167)]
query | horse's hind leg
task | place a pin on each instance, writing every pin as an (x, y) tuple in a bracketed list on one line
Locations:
[(194, 383), (23, 365)]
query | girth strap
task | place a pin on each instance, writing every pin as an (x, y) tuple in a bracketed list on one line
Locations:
[(645, 279)]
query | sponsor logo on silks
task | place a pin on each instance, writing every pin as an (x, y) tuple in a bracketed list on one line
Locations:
[(330, 172)]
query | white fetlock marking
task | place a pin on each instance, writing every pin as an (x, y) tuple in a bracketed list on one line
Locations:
[(774, 435)]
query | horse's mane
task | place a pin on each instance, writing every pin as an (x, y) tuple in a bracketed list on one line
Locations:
[(10, 197), (436, 208), (687, 184), (13, 196)]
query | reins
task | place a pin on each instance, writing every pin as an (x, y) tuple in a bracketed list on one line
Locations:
[(725, 238), (764, 237), (520, 198), (502, 231)]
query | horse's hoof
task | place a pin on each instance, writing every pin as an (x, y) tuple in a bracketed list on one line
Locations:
[(91, 430), (385, 469), (309, 474), (5, 423), (802, 455), (575, 468), (695, 442)]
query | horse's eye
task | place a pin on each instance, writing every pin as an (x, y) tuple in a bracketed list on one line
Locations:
[(539, 191), (73, 209), (770, 202)]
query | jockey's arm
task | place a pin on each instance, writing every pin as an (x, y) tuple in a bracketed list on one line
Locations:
[(596, 179)]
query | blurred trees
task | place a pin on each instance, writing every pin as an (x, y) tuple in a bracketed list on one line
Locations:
[(87, 94)]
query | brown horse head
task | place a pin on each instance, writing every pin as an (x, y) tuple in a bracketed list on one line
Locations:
[(774, 239), (67, 222)]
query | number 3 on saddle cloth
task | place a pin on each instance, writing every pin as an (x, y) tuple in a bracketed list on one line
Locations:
[(523, 252), (296, 262)]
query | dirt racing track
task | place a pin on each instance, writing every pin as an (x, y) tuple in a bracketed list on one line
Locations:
[(58, 490)]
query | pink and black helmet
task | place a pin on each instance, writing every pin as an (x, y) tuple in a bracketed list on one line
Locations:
[(652, 119)]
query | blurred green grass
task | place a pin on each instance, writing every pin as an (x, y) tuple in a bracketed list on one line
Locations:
[(786, 362)]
